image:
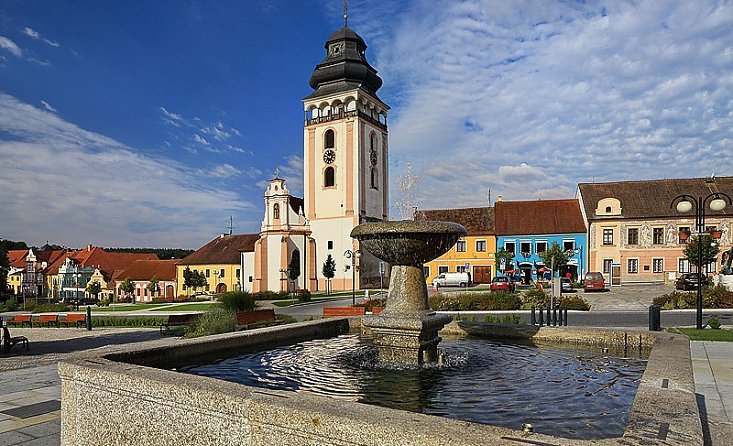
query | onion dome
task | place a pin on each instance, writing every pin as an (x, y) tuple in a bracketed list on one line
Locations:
[(345, 67)]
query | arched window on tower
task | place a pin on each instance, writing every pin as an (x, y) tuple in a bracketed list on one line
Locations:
[(373, 141), (329, 177), (375, 178), (329, 139), (276, 211)]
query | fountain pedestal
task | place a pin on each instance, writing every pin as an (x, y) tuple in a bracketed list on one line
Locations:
[(406, 332)]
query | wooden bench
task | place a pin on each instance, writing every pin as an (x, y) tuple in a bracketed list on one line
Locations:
[(256, 318), (178, 322), (10, 341), (343, 311), (73, 318), (47, 319), (21, 319)]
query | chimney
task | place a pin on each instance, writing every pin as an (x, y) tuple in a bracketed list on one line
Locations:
[(89, 247), (499, 198)]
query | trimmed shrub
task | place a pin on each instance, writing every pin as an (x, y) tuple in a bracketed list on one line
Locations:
[(271, 295), (574, 302), (712, 297), (237, 301), (475, 301), (371, 303), (115, 321), (536, 298), (213, 321), (303, 295), (714, 323)]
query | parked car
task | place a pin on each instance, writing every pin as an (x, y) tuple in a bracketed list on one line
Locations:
[(453, 279), (566, 285), (594, 281), (688, 281), (501, 283)]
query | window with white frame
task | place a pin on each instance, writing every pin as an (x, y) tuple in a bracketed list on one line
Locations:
[(525, 248), (632, 266), (658, 236), (632, 236), (480, 245), (568, 245), (608, 236), (657, 265), (510, 247), (607, 265), (540, 247), (461, 246), (683, 265)]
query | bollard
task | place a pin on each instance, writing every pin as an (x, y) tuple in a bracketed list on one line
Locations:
[(554, 316), (88, 319), (542, 322), (655, 322), (565, 317), (549, 317), (533, 319)]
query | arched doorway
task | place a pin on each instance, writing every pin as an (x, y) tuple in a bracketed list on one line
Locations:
[(221, 288), (525, 270), (169, 293)]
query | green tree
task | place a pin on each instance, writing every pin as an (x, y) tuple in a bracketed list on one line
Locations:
[(94, 288), (329, 270), (128, 288), (709, 250), (190, 278), (152, 286), (294, 268), (554, 257), (507, 256), (4, 269)]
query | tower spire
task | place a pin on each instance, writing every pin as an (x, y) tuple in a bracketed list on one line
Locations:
[(346, 13)]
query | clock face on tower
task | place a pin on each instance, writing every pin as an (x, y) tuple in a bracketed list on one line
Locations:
[(373, 157), (329, 156)]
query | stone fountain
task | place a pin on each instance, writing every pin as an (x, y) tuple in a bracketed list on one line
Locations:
[(406, 332)]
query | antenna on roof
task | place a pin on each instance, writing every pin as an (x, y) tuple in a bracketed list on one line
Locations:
[(346, 13), (231, 225), (489, 197)]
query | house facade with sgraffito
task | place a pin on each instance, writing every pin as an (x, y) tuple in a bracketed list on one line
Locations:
[(636, 234)]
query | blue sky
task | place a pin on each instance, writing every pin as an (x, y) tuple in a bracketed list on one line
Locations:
[(138, 123)]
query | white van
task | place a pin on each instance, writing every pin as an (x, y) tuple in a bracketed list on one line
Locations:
[(452, 279)]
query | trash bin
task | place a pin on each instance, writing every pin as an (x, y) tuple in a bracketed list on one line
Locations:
[(655, 322)]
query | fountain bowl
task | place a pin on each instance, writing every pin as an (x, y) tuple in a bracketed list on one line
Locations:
[(408, 242)]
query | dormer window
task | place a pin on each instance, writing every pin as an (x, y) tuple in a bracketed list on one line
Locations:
[(608, 209)]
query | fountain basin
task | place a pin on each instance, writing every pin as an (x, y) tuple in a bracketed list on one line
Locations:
[(121, 398)]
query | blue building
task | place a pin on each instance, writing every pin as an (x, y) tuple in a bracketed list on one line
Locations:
[(528, 228)]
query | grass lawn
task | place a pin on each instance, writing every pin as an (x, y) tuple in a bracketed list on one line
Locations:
[(323, 298), (198, 306), (707, 334)]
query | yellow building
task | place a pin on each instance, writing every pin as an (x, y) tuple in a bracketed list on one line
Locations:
[(222, 262), (473, 253)]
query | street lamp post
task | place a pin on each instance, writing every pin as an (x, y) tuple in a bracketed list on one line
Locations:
[(353, 255), (685, 203)]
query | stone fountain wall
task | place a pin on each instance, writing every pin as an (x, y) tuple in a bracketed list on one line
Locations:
[(121, 399)]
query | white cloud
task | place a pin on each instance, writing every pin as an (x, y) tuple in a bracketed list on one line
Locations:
[(48, 106), (292, 171), (171, 118), (87, 188), (225, 171), (9, 45), (31, 33), (200, 140), (217, 131), (575, 91)]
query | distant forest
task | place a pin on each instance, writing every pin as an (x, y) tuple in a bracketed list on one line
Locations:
[(162, 253)]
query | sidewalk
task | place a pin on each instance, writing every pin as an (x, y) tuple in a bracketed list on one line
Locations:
[(712, 364)]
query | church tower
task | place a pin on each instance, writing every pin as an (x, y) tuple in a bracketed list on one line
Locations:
[(345, 157)]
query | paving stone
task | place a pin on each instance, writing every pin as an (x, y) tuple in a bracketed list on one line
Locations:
[(14, 437), (42, 430)]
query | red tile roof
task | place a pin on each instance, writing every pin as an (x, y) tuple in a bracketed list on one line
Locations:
[(108, 262), (224, 249), (652, 198), (538, 217), (147, 269), (477, 221), (16, 257)]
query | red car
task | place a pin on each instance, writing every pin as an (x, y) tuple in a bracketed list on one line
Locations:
[(501, 283), (594, 281)]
